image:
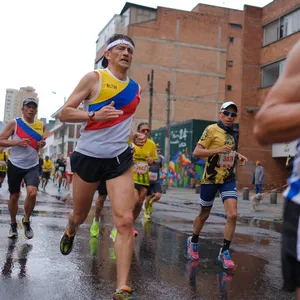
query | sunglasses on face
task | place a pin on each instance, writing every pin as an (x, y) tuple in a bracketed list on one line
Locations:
[(145, 130), (229, 113)]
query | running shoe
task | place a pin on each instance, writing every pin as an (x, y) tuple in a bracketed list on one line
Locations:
[(94, 230), (27, 230), (134, 232), (113, 234), (13, 230), (146, 214), (66, 244), (192, 249), (225, 260), (123, 294)]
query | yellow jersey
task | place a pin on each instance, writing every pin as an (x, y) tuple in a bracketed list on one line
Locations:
[(47, 166), (3, 160), (220, 167), (141, 167)]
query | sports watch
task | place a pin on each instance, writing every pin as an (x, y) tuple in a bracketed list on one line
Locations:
[(91, 115)]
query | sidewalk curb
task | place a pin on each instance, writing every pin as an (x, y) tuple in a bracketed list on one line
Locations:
[(253, 221)]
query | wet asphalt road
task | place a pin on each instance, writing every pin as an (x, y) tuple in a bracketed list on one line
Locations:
[(35, 269)]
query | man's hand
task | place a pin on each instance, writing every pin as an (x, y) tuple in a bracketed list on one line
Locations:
[(22, 142), (225, 149), (150, 160), (42, 143), (107, 113), (139, 139), (242, 159), (163, 176)]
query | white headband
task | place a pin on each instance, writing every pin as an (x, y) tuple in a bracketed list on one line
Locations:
[(118, 42)]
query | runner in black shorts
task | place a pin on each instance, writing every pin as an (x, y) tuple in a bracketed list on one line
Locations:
[(102, 153), (278, 122), (60, 164), (26, 135), (154, 190)]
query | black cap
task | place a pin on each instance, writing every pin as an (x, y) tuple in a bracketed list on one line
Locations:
[(30, 100)]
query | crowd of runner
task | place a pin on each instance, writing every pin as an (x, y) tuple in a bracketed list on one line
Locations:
[(127, 167)]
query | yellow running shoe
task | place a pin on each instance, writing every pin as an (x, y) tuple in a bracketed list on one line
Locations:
[(94, 230), (125, 293), (113, 234)]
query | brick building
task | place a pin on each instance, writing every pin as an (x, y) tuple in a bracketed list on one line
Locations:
[(197, 51), (210, 55), (268, 35)]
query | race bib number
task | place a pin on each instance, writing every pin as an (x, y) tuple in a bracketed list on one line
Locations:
[(227, 160), (140, 168), (61, 168), (153, 176)]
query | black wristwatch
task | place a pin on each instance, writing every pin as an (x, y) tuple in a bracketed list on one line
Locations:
[(91, 115)]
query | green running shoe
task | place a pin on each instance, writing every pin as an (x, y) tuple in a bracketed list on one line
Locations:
[(66, 244), (94, 230)]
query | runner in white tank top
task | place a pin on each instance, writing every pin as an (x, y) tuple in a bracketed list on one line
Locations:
[(26, 139), (102, 154)]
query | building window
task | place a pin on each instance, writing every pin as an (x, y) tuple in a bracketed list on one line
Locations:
[(229, 87), (234, 25), (231, 39), (271, 73), (282, 27)]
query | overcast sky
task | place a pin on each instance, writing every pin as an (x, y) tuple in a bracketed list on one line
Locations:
[(50, 45)]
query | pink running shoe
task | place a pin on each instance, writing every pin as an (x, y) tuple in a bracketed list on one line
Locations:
[(225, 259), (192, 249), (134, 232)]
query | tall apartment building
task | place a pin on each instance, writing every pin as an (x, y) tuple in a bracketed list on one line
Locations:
[(211, 55), (11, 105)]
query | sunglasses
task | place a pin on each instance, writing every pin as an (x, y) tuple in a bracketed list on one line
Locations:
[(229, 113), (145, 130)]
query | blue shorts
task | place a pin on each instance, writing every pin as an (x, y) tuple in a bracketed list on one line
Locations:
[(208, 192)]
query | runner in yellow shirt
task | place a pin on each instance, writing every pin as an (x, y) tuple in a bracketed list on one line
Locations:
[(143, 158), (47, 168), (3, 162)]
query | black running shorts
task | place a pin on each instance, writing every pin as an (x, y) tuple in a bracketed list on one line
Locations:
[(290, 244), (154, 188), (2, 174), (46, 175), (15, 176), (102, 188), (91, 169)]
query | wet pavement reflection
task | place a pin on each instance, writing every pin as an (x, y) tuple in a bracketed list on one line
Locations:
[(35, 269)]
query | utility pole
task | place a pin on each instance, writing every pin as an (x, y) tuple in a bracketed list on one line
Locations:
[(168, 125), (150, 81)]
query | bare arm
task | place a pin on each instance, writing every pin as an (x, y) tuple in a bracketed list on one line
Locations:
[(7, 133), (69, 112), (278, 119)]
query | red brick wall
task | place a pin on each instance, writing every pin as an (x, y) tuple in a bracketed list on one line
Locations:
[(254, 56)]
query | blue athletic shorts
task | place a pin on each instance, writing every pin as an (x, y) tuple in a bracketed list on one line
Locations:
[(208, 192)]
